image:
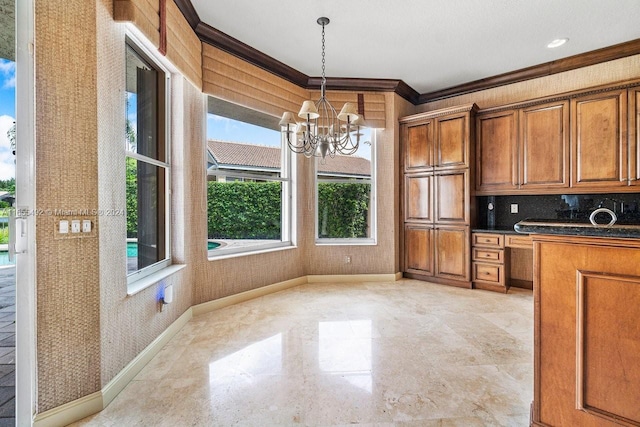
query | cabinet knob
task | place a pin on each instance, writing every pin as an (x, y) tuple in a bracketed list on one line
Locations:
[(488, 255)]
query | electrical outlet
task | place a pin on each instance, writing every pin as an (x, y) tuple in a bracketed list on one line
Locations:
[(514, 208), (63, 228), (86, 226), (75, 225), (347, 259)]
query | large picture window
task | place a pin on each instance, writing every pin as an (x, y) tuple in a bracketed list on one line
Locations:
[(147, 166), (248, 185), (345, 196)]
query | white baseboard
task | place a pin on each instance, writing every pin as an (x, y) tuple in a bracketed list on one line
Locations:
[(96, 402), (217, 304), (352, 278)]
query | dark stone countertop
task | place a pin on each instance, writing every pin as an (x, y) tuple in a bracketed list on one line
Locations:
[(497, 230), (577, 228)]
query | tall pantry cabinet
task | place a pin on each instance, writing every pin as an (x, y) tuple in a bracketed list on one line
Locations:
[(438, 208)]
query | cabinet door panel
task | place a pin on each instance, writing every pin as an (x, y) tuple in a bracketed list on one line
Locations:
[(418, 198), (598, 143), (634, 136), (418, 250), (544, 146), (452, 195), (452, 253), (496, 151), (419, 147), (452, 142)]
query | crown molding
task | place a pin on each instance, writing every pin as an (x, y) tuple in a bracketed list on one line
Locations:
[(225, 42), (581, 60)]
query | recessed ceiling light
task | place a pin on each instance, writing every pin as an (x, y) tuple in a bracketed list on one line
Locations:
[(557, 43)]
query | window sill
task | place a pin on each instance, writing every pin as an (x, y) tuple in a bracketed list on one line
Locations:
[(152, 279), (346, 242), (247, 253)]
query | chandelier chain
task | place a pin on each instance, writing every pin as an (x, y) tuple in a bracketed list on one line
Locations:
[(324, 80)]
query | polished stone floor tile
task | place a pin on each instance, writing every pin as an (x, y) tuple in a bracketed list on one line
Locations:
[(405, 353)]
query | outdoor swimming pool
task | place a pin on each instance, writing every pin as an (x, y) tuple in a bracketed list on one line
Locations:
[(4, 258)]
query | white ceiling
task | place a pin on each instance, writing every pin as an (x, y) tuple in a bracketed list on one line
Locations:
[(429, 44)]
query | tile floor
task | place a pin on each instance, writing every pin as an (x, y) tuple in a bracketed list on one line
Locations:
[(7, 346), (404, 353)]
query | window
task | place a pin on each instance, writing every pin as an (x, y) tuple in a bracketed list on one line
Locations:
[(248, 183), (147, 166), (345, 196)]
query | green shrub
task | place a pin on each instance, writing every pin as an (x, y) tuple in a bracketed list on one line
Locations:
[(343, 210), (244, 210), (4, 236)]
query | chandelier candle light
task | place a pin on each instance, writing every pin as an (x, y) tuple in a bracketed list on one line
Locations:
[(322, 131)]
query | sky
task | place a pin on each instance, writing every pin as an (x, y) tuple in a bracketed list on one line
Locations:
[(225, 129), (7, 117)]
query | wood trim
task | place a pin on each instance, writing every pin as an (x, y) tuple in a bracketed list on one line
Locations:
[(216, 38), (189, 12), (162, 48), (593, 57)]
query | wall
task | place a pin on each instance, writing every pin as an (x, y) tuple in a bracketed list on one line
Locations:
[(594, 75)]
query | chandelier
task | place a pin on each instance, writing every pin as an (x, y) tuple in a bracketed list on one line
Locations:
[(322, 131)]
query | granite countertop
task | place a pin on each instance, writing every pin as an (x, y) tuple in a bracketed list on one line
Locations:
[(497, 230), (577, 228)]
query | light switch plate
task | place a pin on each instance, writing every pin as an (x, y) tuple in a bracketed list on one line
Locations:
[(63, 227), (514, 208), (86, 226), (75, 226)]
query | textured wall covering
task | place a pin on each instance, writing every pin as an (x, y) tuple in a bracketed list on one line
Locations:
[(232, 79), (184, 49), (594, 75), (68, 292)]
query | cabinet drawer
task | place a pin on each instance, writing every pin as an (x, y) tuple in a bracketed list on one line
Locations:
[(488, 255), (515, 241), (488, 240), (493, 273)]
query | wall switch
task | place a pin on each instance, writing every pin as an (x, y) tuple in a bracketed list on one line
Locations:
[(75, 226), (514, 208), (86, 226), (63, 227), (347, 259)]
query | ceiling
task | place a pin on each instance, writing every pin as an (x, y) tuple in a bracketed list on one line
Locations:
[(428, 44)]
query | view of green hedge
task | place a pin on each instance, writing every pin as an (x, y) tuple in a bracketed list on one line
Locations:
[(343, 210), (244, 210)]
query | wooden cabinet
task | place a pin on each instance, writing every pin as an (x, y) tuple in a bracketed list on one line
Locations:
[(633, 97), (418, 146), (523, 149), (451, 249), (496, 152), (598, 140), (586, 333), (437, 154), (418, 252), (490, 262), (543, 146)]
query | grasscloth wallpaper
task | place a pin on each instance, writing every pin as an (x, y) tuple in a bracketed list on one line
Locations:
[(88, 329)]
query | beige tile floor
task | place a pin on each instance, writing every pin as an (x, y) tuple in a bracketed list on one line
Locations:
[(405, 353)]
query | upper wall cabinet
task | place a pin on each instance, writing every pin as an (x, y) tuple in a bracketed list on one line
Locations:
[(418, 154), (496, 151), (634, 135), (543, 154), (438, 141), (599, 147)]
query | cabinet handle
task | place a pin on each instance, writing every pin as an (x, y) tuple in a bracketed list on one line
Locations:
[(487, 255)]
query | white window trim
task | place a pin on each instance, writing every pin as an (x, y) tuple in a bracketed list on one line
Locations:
[(145, 277), (287, 217), (372, 240)]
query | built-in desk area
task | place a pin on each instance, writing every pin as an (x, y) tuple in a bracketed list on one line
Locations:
[(501, 258)]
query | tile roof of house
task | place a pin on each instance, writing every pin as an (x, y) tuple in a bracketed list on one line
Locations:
[(262, 156)]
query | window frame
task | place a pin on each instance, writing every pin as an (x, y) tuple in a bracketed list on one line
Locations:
[(288, 167), (164, 133), (372, 239)]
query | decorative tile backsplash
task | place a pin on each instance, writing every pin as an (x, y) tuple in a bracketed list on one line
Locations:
[(566, 206)]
